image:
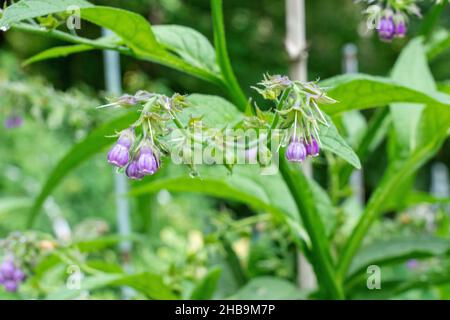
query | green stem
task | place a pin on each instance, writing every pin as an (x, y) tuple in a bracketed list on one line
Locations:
[(232, 86), (278, 107), (233, 261), (321, 257)]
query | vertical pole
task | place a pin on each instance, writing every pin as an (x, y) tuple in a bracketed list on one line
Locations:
[(296, 49), (113, 86), (440, 185), (350, 65)]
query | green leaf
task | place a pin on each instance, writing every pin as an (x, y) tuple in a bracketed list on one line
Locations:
[(88, 283), (398, 249), (396, 174), (134, 29), (269, 288), (10, 204), (101, 243), (358, 91), (246, 185), (152, 285), (10, 212), (216, 112), (28, 9), (333, 142), (411, 69), (92, 144), (412, 199), (64, 51), (207, 286), (189, 44), (58, 52), (147, 283), (438, 44)]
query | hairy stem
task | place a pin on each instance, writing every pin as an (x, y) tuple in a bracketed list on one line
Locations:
[(321, 257), (232, 86)]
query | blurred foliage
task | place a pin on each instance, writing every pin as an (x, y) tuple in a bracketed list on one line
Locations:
[(182, 236)]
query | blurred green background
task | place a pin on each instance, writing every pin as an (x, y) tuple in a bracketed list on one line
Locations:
[(65, 92)]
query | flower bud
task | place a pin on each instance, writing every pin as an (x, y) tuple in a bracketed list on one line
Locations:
[(312, 148), (126, 138), (147, 161), (132, 171), (118, 156), (296, 151), (13, 122), (386, 28), (400, 29)]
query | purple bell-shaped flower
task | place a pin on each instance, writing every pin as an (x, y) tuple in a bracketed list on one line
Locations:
[(147, 161), (386, 28), (296, 151), (312, 147)]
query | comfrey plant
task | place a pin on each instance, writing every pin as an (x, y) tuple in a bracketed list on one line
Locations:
[(303, 122), (21, 253), (295, 119), (390, 17), (300, 112), (141, 156)]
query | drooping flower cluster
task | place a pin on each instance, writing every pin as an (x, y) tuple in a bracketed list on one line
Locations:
[(299, 149), (391, 25), (298, 105), (11, 276), (140, 155), (390, 17), (159, 132), (20, 253), (13, 121)]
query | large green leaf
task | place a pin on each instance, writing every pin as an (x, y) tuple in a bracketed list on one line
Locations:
[(245, 184), (333, 142), (92, 144), (396, 174), (269, 288), (189, 44), (429, 134), (399, 249), (215, 112), (359, 91), (134, 29), (411, 69), (28, 9)]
